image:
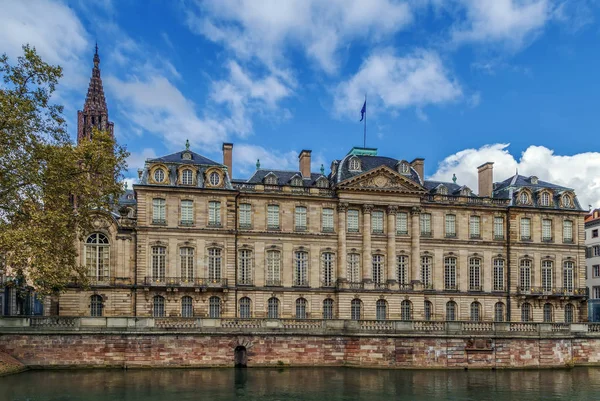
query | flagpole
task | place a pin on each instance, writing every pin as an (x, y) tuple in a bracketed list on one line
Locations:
[(365, 133)]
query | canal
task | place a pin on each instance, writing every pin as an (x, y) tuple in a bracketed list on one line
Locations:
[(329, 384)]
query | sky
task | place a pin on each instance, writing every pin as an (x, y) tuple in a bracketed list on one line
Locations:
[(456, 82)]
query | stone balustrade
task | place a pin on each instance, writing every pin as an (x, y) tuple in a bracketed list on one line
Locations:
[(305, 326)]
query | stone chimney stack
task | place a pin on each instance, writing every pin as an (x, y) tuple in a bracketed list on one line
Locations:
[(227, 150), (304, 159), (419, 165), (486, 179)]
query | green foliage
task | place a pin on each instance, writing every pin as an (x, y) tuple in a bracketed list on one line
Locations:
[(50, 190)]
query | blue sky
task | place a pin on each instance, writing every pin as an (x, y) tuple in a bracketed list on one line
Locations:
[(458, 82)]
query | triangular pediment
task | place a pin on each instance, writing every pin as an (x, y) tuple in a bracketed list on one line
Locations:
[(381, 178)]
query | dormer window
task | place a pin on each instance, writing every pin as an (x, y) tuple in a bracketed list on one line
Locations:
[(524, 198), (270, 179), (322, 182), (566, 201), (187, 177), (545, 199), (296, 182), (442, 190), (465, 192), (404, 168), (214, 178), (354, 164), (533, 179), (159, 175)]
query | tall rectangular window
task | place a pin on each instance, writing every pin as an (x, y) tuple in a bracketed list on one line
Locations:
[(450, 273), (475, 226), (245, 267), (568, 275), (187, 212), (327, 269), (158, 263), (159, 207), (377, 221), (186, 255), (425, 224), (474, 274), (426, 266), (273, 268), (567, 231), (498, 274), (595, 271), (353, 273), (525, 275), (327, 218), (214, 213), (301, 269), (596, 292), (214, 264), (450, 226), (547, 275), (300, 218), (498, 228), (525, 229), (402, 223), (546, 230), (352, 221), (378, 276), (402, 269), (245, 215), (273, 217)]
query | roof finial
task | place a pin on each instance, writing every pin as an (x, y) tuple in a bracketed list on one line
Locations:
[(454, 178), (322, 169), (516, 171), (187, 144), (257, 164), (96, 48)]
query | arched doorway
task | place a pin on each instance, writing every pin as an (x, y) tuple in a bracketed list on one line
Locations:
[(240, 357)]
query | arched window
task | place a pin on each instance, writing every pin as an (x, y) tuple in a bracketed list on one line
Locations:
[(381, 309), (525, 275), (214, 307), (526, 312), (355, 309), (301, 269), (214, 178), (523, 198), (569, 313), (245, 311), (327, 269), (568, 274), (273, 308), (245, 267), (451, 311), (97, 257), (158, 263), (545, 199), (214, 264), (96, 305), (428, 310), (186, 255), (158, 306), (187, 306), (475, 274), (566, 201), (547, 275), (450, 273), (187, 177), (328, 308), (159, 175), (354, 164), (499, 312), (548, 312), (273, 268), (301, 308), (406, 310), (475, 311)]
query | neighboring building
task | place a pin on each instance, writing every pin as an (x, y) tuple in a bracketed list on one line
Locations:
[(592, 242), (371, 240)]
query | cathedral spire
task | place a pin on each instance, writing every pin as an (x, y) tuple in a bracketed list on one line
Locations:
[(95, 112)]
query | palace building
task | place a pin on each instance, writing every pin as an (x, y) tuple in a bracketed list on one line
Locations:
[(372, 239)]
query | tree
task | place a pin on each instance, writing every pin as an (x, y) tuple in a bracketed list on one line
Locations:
[(51, 191)]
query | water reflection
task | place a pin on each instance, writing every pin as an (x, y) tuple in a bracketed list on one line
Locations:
[(330, 384)]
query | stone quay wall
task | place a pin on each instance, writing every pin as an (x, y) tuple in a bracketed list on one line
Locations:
[(160, 343)]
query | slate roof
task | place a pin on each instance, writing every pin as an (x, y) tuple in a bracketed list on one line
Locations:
[(284, 177), (453, 189), (128, 198), (368, 163), (178, 158), (509, 188)]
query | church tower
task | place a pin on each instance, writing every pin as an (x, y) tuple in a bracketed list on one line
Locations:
[(95, 112)]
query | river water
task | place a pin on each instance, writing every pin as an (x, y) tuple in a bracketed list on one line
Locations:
[(319, 384)]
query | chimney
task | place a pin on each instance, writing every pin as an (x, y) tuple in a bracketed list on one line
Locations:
[(419, 165), (304, 158), (486, 179), (227, 150)]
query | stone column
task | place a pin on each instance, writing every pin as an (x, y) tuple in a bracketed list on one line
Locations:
[(342, 253), (415, 245), (391, 243), (366, 249)]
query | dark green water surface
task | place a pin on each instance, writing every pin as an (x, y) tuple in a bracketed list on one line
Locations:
[(327, 384)]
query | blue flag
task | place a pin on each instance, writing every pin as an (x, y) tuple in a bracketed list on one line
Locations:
[(363, 111)]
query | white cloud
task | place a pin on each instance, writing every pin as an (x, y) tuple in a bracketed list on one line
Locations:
[(263, 29), (136, 160), (396, 82), (55, 31), (510, 22), (580, 171), (246, 155)]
